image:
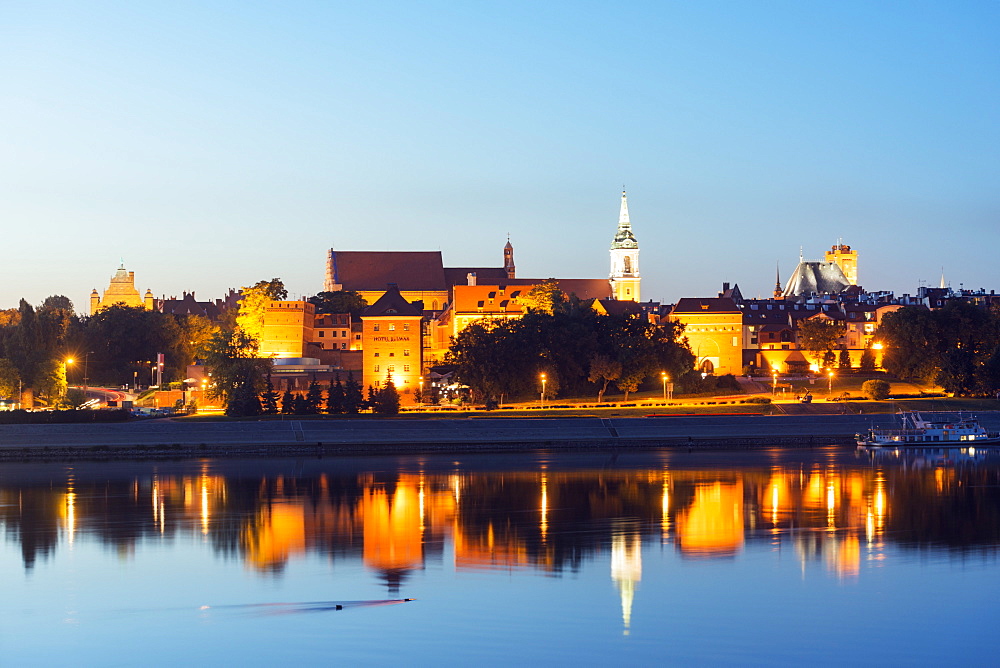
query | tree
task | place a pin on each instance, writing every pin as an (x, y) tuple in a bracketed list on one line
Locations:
[(287, 403), (544, 297), (911, 344), (253, 305), (51, 380), (844, 361), (313, 398), (629, 381), (867, 364), (10, 379), (342, 301), (876, 389), (122, 340), (819, 336), (237, 372), (386, 399), (335, 397), (269, 398), (352, 394)]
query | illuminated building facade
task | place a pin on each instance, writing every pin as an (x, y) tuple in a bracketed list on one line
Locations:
[(713, 327), (846, 259), (121, 290), (392, 342), (288, 329)]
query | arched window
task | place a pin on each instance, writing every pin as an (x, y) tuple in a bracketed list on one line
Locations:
[(707, 367), (628, 265)]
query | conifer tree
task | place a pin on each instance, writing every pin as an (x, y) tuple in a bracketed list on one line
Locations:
[(387, 399), (352, 394), (269, 398), (287, 403), (845, 359), (313, 398), (335, 397)]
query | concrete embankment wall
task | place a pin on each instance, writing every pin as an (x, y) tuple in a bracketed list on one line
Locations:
[(180, 438)]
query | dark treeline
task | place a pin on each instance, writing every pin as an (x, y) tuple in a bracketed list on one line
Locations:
[(957, 346), (45, 349), (578, 350)]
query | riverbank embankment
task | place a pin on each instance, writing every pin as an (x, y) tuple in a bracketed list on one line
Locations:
[(184, 438)]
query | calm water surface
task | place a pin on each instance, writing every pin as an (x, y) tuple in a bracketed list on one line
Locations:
[(818, 556)]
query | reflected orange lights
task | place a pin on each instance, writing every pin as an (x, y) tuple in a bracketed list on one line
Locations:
[(277, 532), (712, 526)]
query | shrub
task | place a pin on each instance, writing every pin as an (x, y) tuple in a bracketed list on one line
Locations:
[(875, 389), (757, 400)]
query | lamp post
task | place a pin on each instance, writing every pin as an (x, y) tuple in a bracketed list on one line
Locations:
[(774, 381), (421, 382), (829, 386), (663, 375), (542, 398)]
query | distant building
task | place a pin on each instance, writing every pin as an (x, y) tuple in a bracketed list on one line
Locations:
[(121, 290), (188, 305)]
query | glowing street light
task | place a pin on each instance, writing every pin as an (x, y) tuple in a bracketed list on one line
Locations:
[(829, 387), (774, 380), (663, 375), (542, 399)]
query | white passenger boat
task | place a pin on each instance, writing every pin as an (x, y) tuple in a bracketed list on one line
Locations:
[(929, 429)]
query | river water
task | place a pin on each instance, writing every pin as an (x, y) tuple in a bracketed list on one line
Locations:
[(654, 557)]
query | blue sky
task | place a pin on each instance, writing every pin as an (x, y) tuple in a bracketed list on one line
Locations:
[(214, 144)]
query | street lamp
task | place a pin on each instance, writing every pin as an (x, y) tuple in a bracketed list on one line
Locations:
[(542, 399), (421, 381), (829, 387), (663, 375), (774, 380)]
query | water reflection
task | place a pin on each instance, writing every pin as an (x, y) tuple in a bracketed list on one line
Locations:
[(523, 514)]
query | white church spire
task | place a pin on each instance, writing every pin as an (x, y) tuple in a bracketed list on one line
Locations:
[(624, 276)]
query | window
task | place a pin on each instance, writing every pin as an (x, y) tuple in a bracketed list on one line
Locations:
[(392, 354), (321, 333), (375, 327), (392, 327), (406, 367), (406, 326), (391, 368), (406, 353), (376, 368), (343, 345), (357, 337), (377, 354)]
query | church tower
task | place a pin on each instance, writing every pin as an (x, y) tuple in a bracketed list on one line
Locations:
[(847, 259), (624, 259), (508, 259)]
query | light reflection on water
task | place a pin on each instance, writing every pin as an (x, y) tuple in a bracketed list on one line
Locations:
[(773, 557)]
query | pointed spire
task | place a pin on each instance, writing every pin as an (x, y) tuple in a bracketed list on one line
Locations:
[(943, 285), (623, 220), (624, 237), (800, 254)]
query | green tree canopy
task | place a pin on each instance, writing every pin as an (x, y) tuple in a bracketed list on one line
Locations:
[(238, 375), (819, 336), (342, 301)]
